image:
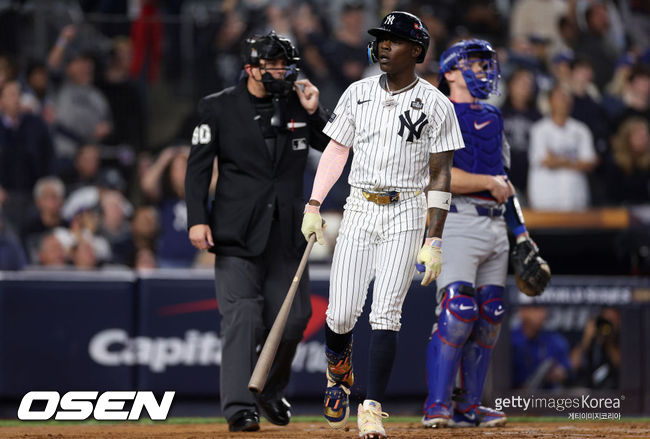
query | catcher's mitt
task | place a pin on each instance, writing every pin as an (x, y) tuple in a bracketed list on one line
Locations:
[(532, 273)]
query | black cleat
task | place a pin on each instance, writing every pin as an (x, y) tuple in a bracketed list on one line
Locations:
[(244, 420), (277, 411)]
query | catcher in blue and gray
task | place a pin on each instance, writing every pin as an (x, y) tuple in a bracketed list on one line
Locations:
[(475, 244)]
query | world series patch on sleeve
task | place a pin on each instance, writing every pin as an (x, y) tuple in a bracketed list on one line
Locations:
[(532, 273)]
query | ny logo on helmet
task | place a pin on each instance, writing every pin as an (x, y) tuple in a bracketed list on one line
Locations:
[(415, 129), (389, 20)]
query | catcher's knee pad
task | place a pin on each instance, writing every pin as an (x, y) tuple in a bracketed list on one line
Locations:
[(491, 311), (477, 352), (458, 312)]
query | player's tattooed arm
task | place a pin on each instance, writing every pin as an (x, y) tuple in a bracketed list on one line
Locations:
[(439, 180)]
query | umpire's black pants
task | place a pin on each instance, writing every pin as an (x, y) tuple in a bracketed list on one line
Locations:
[(250, 292)]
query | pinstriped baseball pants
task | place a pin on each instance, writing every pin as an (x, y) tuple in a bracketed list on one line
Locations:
[(380, 243)]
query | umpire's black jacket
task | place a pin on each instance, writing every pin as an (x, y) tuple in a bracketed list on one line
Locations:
[(250, 186)]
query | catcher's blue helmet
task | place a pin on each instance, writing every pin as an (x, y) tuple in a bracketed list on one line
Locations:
[(403, 25), (458, 57)]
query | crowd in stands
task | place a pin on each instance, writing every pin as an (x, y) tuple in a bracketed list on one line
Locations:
[(82, 185)]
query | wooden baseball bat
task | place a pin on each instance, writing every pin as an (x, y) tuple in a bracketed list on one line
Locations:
[(261, 371)]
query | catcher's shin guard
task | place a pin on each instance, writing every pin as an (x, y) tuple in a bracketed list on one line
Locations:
[(458, 313), (340, 379), (477, 352)]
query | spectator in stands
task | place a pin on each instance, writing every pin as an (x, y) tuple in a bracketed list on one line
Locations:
[(597, 358), (568, 32), (442, 18), (115, 227), (308, 30), (540, 358), (224, 49), (519, 113), (57, 53), (164, 183), (83, 255), (537, 17), (8, 71), (635, 97), (561, 67), (636, 19), (586, 103), (82, 111), (628, 165), (85, 170), (346, 53), (49, 194), (82, 211), (621, 76), (51, 252), (481, 17), (587, 109), (147, 40), (561, 155), (26, 153), (125, 99), (595, 44), (12, 256), (522, 55), (36, 97), (145, 227)]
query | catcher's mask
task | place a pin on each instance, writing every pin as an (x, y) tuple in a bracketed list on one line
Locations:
[(462, 55), (270, 47), (403, 25)]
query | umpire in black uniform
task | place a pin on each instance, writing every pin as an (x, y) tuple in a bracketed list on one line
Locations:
[(260, 131)]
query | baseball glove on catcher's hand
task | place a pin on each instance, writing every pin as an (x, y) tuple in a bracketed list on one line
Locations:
[(532, 273)]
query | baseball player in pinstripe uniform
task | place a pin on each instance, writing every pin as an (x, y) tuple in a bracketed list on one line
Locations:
[(403, 132), (475, 243)]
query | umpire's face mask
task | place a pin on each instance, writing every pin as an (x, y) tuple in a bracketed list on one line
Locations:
[(278, 78)]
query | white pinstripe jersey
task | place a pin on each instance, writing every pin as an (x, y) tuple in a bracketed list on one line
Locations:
[(392, 144)]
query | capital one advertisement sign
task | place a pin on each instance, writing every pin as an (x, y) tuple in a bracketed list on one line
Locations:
[(160, 332), (178, 345)]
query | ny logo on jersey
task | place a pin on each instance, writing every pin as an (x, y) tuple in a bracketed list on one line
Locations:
[(389, 20), (415, 129)]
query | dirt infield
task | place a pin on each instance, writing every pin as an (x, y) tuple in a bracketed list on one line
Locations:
[(395, 430)]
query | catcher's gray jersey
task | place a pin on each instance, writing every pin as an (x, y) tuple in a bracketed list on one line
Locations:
[(392, 138)]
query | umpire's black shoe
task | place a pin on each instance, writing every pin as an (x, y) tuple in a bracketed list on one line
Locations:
[(244, 420), (278, 411)]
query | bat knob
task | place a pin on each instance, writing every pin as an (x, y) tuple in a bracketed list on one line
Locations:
[(420, 267)]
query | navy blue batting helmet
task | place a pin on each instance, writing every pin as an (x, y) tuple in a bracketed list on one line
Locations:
[(403, 25), (458, 56)]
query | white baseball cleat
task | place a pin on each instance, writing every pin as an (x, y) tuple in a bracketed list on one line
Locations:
[(369, 420)]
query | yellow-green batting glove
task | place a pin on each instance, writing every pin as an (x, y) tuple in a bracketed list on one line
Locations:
[(313, 223), (430, 260)]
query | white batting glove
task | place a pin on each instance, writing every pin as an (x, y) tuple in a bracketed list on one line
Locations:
[(430, 255), (313, 223)]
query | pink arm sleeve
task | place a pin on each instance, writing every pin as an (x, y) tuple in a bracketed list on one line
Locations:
[(329, 170)]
